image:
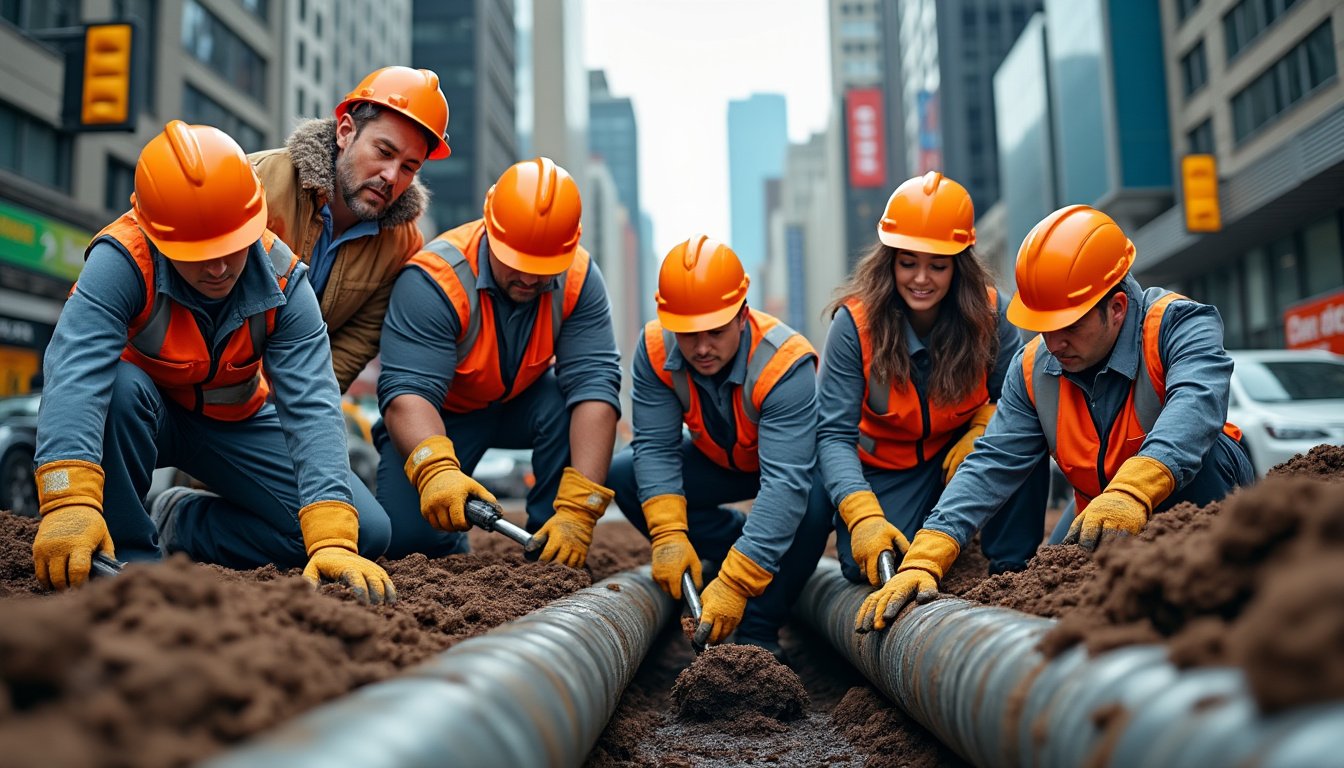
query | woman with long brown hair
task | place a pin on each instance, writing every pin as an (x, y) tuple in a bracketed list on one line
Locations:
[(913, 367)]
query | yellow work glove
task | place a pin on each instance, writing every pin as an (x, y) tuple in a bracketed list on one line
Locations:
[(974, 429), (869, 532), (725, 598), (1126, 504), (579, 502), (930, 555), (70, 498), (330, 530), (444, 488), (673, 554)]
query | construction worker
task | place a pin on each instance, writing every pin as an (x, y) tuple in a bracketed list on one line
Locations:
[(1126, 388), (914, 366), (744, 384), (343, 195), (193, 339), (499, 335)]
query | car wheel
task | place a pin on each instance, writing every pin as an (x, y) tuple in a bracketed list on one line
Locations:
[(18, 489)]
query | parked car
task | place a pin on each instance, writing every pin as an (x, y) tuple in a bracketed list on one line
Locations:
[(1286, 402), (18, 443), (506, 472)]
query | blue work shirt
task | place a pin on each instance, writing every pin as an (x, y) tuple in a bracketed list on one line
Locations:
[(327, 247), (1197, 373), (419, 343), (81, 361), (840, 390), (786, 450)]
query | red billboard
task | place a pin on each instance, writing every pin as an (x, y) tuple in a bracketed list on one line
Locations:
[(867, 138), (1316, 324)]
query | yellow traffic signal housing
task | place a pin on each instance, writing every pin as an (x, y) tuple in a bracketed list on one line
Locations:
[(1199, 188), (106, 96)]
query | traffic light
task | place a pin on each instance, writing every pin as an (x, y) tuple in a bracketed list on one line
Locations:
[(1199, 189), (101, 67)]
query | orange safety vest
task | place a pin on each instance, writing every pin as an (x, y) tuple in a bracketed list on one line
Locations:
[(899, 428), (1087, 459), (164, 341), (452, 260), (775, 350)]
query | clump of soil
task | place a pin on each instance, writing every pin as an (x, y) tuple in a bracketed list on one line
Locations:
[(1324, 462), (892, 738), (728, 681), (1256, 582), (1048, 587), (169, 663)]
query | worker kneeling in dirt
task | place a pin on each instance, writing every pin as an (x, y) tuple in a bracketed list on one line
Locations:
[(499, 334), (1126, 388), (745, 386), (193, 339)]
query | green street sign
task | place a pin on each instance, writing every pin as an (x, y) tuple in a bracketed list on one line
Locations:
[(35, 242)]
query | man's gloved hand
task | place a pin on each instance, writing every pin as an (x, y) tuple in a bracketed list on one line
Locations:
[(70, 497), (725, 598), (931, 554), (1125, 506), (444, 488), (974, 429), (673, 554), (869, 532), (330, 530), (579, 502)]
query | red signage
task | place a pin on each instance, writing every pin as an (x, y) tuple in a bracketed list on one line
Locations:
[(867, 139), (1316, 324)]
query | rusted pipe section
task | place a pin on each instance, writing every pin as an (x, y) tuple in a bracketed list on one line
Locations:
[(534, 692), (971, 675)]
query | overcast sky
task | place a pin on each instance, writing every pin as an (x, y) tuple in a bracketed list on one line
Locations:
[(681, 62)]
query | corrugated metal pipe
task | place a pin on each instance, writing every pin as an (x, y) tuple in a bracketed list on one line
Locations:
[(971, 675), (534, 692)]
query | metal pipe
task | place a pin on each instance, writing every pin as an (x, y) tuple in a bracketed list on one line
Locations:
[(691, 594), (534, 692), (971, 674), (487, 516)]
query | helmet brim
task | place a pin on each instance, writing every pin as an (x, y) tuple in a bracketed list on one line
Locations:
[(530, 263), (215, 247), (922, 244), (707, 321), (1044, 321)]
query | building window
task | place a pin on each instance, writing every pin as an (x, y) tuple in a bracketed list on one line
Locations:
[(40, 14), (258, 8), (33, 149), (302, 62), (1184, 8), (1292, 78), (1248, 19), (119, 185), (1200, 140), (1194, 69), (199, 108), (146, 16), (212, 43)]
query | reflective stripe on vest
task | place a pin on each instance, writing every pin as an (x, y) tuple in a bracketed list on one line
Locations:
[(775, 350)]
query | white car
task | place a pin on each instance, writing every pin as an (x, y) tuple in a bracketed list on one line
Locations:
[(1286, 401)]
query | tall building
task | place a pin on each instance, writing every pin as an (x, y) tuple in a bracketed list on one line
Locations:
[(559, 127), (1257, 84), (205, 61), (949, 51), (758, 138), (330, 46), (469, 43), (613, 135)]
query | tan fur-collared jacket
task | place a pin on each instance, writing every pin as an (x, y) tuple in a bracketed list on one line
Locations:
[(299, 180)]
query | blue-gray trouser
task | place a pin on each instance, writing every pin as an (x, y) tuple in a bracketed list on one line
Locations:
[(712, 529), (1226, 466), (537, 419), (255, 519), (907, 496)]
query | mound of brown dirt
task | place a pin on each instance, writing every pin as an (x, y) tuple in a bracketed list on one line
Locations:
[(1324, 462), (1254, 582), (728, 681), (169, 663), (894, 740)]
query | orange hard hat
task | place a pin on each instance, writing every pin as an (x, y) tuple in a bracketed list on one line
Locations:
[(929, 214), (1069, 261), (196, 195), (532, 217), (411, 92), (701, 286)]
